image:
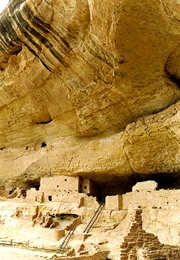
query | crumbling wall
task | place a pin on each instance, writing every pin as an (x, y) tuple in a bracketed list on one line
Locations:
[(113, 202), (139, 243), (33, 195), (155, 198), (3, 192)]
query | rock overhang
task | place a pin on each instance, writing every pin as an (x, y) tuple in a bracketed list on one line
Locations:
[(117, 67)]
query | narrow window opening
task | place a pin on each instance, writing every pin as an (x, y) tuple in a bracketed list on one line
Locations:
[(43, 144), (50, 198), (11, 191), (65, 179), (36, 187), (85, 187)]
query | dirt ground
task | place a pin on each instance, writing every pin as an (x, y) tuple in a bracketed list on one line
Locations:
[(7, 253)]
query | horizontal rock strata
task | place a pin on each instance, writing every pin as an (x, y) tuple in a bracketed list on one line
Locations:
[(89, 88)]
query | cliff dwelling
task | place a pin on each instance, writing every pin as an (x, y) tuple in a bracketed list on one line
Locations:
[(89, 130), (52, 187), (67, 220)]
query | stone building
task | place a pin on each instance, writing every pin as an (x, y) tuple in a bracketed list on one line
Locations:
[(144, 194), (53, 188), (61, 183)]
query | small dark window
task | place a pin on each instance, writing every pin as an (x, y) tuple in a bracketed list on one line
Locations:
[(65, 179), (57, 185), (50, 198), (11, 191), (27, 147), (36, 187), (85, 187), (43, 144)]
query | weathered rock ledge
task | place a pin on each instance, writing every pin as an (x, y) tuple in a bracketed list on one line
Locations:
[(89, 88)]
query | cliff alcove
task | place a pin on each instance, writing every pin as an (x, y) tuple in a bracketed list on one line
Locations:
[(90, 90), (98, 82)]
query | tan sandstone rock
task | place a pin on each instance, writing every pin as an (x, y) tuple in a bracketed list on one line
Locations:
[(69, 109), (145, 186)]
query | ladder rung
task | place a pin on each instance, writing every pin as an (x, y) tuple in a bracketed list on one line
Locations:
[(92, 221), (67, 238)]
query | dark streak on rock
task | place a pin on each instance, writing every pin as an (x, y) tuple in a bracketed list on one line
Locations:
[(31, 33)]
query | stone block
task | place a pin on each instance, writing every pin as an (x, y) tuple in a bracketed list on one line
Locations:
[(145, 186), (113, 202)]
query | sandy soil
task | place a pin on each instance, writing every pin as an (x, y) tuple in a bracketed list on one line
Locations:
[(7, 253)]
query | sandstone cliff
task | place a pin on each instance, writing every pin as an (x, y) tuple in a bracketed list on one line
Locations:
[(89, 88)]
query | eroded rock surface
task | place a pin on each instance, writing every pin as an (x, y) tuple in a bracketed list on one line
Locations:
[(82, 87)]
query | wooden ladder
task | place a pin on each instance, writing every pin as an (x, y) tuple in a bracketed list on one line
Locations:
[(94, 218)]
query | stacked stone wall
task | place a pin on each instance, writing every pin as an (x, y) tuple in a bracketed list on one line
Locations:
[(138, 244)]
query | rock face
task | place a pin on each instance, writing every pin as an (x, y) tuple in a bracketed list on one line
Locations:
[(89, 88)]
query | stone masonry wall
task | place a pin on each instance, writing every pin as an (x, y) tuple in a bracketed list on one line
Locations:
[(60, 183), (138, 241), (156, 198), (162, 199)]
